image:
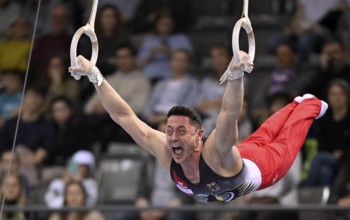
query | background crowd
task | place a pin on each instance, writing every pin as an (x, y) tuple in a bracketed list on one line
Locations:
[(157, 54)]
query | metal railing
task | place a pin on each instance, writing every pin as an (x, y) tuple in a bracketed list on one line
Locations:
[(32, 211)]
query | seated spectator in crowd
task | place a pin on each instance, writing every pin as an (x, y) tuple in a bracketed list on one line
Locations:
[(333, 135), (35, 136), (274, 102), (9, 11), (110, 32), (127, 8), (12, 194), (14, 49), (29, 9), (130, 83), (305, 29), (282, 78), (59, 80), (10, 98), (132, 86), (80, 169), (147, 11), (6, 158), (333, 64), (74, 131), (340, 192), (245, 123), (74, 197), (2, 81), (180, 89), (156, 49), (210, 91), (57, 40)]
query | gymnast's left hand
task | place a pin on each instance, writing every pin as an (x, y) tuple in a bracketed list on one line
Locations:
[(86, 68), (246, 65)]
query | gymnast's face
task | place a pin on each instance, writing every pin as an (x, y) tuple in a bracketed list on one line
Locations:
[(183, 138)]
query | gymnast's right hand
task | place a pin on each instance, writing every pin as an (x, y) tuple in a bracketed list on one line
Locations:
[(86, 68)]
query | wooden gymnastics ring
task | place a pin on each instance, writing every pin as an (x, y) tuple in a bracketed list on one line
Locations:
[(89, 30), (245, 23)]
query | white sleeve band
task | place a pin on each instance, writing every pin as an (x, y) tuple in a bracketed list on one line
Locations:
[(95, 76)]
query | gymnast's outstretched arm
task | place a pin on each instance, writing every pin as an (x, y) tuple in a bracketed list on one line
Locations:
[(226, 133), (148, 138)]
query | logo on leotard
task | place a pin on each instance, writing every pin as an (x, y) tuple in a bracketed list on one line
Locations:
[(181, 184), (213, 187)]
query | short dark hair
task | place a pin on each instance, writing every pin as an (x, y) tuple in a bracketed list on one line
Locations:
[(334, 40), (63, 98), (180, 110), (38, 87), (282, 95), (127, 46), (343, 84), (184, 51)]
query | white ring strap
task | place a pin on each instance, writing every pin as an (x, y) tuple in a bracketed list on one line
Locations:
[(89, 30), (245, 23)]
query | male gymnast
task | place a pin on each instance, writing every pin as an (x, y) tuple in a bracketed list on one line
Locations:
[(218, 169)]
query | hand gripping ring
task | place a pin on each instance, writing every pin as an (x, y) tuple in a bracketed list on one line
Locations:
[(89, 30), (245, 23)]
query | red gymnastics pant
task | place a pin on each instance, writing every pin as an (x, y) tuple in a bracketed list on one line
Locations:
[(275, 145)]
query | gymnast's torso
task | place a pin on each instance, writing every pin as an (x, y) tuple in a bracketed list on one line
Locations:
[(213, 187)]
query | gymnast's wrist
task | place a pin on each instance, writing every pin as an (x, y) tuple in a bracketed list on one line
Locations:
[(95, 76), (234, 74)]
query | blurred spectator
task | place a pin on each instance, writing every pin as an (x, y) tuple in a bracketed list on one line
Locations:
[(333, 134), (282, 79), (155, 50), (12, 193), (35, 136), (180, 89), (57, 40), (333, 64), (340, 192), (210, 91), (110, 32), (274, 102), (10, 98), (74, 131), (2, 81), (147, 11), (80, 168), (9, 11), (132, 86), (29, 10), (74, 197), (127, 8), (245, 123), (59, 80), (130, 83), (305, 30), (14, 49), (6, 158)]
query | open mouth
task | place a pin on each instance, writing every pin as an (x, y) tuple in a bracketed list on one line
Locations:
[(177, 150)]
